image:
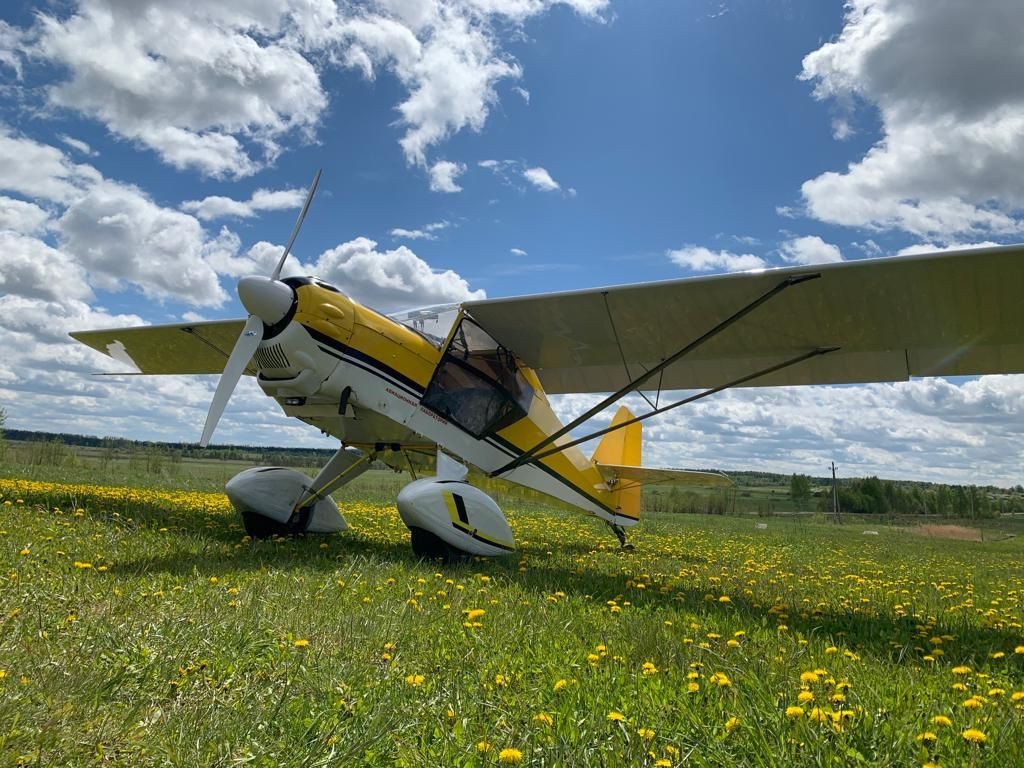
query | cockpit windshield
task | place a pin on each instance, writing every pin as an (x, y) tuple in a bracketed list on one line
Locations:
[(433, 323), (478, 385)]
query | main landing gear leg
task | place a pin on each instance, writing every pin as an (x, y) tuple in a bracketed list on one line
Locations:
[(620, 534)]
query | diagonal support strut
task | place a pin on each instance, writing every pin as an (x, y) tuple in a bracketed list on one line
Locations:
[(693, 398), (640, 380)]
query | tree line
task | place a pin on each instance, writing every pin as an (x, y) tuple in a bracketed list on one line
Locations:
[(873, 496)]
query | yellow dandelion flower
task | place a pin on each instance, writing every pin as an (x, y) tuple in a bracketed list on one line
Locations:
[(731, 724), (808, 677), (646, 733), (500, 680), (616, 717), (510, 756), (724, 599), (1017, 695), (794, 712), (961, 670), (1019, 649), (560, 684), (649, 668), (414, 680), (475, 613), (974, 736), (301, 643), (942, 720), (927, 737), (720, 679), (483, 746), (818, 715), (805, 696), (692, 687), (662, 762), (544, 718), (972, 703)]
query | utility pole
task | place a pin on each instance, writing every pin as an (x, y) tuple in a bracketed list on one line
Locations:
[(835, 495)]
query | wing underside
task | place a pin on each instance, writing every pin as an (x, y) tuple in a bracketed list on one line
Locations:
[(936, 315), (168, 349)]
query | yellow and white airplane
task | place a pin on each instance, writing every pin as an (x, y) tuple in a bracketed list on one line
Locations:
[(472, 380)]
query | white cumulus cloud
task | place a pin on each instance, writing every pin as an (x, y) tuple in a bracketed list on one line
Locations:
[(426, 232), (443, 174), (392, 279), (212, 86), (21, 216), (810, 249), (947, 79), (541, 179), (701, 259), (217, 207)]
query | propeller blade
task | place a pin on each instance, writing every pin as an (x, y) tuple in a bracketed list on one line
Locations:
[(298, 225), (244, 349)]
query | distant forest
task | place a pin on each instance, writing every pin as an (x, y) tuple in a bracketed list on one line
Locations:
[(283, 457)]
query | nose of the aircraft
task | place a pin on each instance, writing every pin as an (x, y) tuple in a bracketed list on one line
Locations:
[(270, 300)]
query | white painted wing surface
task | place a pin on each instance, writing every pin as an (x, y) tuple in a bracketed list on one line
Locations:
[(947, 314)]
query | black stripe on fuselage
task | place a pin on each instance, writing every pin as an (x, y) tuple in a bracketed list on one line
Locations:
[(362, 360)]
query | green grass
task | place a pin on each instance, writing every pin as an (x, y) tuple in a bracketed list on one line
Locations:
[(177, 645)]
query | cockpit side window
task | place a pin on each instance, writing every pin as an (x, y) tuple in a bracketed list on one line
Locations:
[(478, 385)]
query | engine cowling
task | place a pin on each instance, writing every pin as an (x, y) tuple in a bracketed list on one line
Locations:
[(460, 516), (265, 497)]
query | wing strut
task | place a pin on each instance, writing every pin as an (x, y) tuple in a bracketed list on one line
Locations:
[(693, 398), (637, 382), (622, 354)]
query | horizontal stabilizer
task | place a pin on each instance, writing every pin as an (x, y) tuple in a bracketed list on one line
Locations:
[(614, 474)]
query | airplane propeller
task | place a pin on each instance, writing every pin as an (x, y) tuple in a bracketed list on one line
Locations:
[(268, 301)]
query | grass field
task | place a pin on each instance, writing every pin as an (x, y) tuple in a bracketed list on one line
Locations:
[(140, 628)]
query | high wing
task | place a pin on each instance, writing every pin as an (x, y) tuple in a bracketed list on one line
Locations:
[(621, 473), (946, 314), (180, 348)]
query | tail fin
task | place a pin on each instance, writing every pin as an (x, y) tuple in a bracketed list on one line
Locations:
[(622, 447)]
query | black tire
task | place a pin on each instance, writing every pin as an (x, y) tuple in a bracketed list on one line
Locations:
[(261, 527), (429, 546)]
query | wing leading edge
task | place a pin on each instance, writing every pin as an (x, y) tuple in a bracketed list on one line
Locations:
[(946, 314)]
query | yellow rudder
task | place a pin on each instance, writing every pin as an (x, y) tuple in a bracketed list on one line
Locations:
[(623, 447)]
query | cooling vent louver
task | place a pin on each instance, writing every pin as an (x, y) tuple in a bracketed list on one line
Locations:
[(271, 357)]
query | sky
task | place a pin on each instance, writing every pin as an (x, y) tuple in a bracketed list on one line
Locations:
[(152, 152)]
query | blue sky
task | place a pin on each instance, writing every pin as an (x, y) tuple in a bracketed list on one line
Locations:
[(587, 142)]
